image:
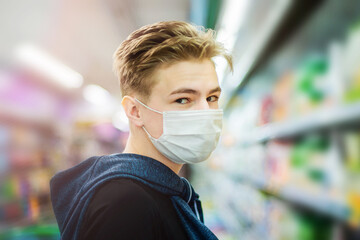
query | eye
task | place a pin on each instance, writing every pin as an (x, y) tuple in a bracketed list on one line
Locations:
[(182, 100), (212, 98)]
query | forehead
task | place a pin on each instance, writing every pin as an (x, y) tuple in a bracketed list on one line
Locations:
[(199, 75)]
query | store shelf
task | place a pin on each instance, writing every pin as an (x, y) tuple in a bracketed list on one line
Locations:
[(27, 117), (276, 88), (291, 19), (318, 203), (48, 231), (321, 119)]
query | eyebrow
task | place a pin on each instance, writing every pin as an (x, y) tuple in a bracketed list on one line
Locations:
[(192, 91)]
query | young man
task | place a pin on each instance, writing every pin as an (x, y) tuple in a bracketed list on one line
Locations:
[(170, 95)]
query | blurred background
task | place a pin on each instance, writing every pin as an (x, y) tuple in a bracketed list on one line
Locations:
[(288, 162)]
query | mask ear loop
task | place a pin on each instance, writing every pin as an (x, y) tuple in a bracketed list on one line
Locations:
[(149, 135), (148, 106)]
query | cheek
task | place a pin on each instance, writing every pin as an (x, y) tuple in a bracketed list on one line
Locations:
[(154, 125)]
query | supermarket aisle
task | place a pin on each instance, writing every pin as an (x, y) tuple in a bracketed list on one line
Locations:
[(288, 164), (59, 99)]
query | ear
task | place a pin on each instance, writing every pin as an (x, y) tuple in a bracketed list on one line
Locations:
[(132, 111)]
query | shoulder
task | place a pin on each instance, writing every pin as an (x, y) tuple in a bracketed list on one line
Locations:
[(120, 208), (126, 192)]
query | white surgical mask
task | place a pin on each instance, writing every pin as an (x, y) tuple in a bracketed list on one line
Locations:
[(188, 136)]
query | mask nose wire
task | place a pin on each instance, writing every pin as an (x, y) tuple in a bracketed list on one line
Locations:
[(148, 106)]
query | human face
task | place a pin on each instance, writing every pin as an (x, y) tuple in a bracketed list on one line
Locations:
[(186, 85)]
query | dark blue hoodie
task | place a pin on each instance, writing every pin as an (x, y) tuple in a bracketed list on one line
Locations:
[(72, 189)]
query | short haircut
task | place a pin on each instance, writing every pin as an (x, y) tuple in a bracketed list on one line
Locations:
[(162, 43)]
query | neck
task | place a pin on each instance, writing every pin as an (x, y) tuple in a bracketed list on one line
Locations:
[(138, 143)]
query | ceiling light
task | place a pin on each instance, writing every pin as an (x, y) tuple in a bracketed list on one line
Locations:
[(46, 64), (97, 95)]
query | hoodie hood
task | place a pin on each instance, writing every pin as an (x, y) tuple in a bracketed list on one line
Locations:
[(71, 190)]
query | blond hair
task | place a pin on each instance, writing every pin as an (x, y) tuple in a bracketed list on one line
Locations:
[(162, 43)]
